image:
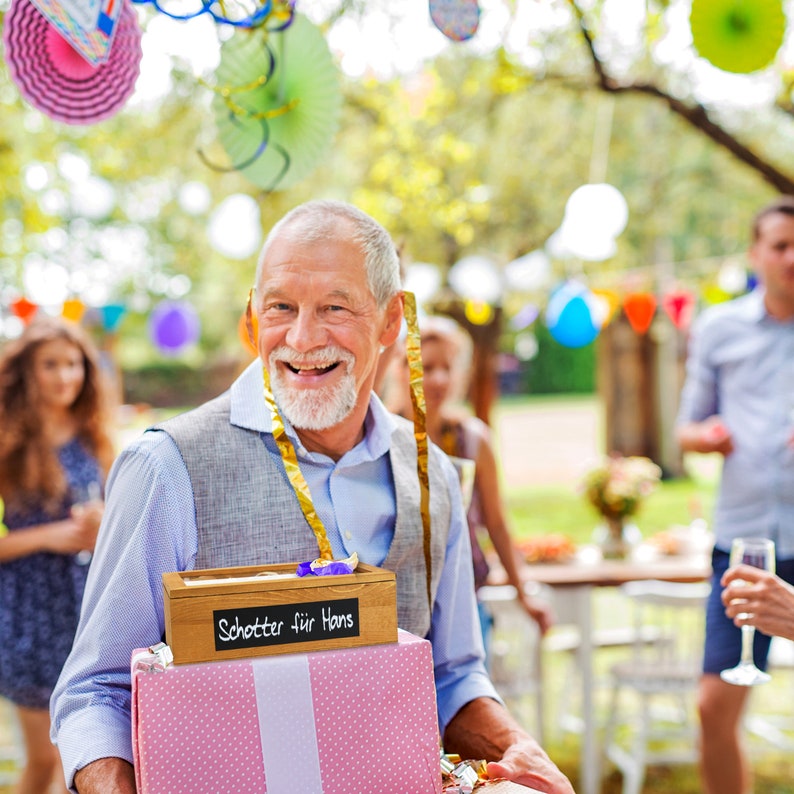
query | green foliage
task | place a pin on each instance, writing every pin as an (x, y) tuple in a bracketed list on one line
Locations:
[(558, 369)]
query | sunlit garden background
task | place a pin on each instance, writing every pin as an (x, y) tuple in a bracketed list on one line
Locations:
[(572, 180)]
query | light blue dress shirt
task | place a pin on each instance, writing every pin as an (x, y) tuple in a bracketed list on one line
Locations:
[(149, 528), (741, 366)]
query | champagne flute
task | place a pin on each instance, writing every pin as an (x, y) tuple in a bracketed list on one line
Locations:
[(760, 553), (91, 493)]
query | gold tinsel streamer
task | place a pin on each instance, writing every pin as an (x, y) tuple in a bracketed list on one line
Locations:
[(413, 349), (294, 474)]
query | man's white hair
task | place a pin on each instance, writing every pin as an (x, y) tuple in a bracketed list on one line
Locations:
[(321, 220)]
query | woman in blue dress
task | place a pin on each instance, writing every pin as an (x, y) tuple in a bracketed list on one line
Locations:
[(55, 451)]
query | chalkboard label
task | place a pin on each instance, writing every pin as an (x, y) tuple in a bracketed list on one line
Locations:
[(281, 624)]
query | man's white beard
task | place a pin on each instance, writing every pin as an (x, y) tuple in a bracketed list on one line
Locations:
[(312, 408)]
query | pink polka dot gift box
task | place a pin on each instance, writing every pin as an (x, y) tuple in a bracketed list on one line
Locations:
[(358, 720)]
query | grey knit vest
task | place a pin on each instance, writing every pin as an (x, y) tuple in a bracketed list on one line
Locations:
[(247, 512)]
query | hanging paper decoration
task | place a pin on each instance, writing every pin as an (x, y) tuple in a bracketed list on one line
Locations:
[(277, 103), (24, 309), (173, 326), (610, 300), (738, 36), (112, 315), (639, 308), (713, 293), (569, 315), (73, 310), (57, 80), (232, 12), (456, 19), (680, 307)]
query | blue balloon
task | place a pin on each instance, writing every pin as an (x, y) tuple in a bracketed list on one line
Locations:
[(574, 326)]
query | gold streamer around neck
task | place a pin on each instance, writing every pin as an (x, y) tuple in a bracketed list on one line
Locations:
[(413, 349), (287, 450)]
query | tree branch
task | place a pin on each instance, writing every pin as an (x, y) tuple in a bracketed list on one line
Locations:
[(694, 114)]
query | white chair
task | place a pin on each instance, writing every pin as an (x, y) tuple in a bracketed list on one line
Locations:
[(515, 655), (661, 725)]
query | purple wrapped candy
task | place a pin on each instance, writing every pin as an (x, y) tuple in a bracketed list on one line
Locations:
[(328, 567)]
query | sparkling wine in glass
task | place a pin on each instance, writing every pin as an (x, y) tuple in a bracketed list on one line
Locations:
[(91, 493), (760, 553)]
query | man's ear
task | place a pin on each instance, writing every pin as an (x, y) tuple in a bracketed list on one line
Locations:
[(394, 318)]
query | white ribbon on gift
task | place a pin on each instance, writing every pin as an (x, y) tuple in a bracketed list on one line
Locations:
[(289, 746)]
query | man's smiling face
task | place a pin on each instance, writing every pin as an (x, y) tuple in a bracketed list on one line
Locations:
[(320, 329)]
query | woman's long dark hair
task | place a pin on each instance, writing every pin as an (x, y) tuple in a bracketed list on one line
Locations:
[(29, 467)]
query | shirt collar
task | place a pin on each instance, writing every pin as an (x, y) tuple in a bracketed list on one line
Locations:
[(250, 411), (752, 307)]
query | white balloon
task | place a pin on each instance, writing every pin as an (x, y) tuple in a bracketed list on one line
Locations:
[(423, 279), (194, 198), (476, 278), (732, 277), (235, 227), (598, 207), (528, 272), (589, 243), (46, 283)]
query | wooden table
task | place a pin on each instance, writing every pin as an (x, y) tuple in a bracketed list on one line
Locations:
[(573, 585)]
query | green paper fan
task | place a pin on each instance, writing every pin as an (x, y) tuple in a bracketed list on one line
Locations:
[(738, 36), (276, 129)]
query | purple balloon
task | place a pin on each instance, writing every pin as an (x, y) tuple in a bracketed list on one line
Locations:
[(173, 325)]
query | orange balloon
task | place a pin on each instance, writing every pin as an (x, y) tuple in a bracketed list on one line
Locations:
[(242, 332), (639, 308)]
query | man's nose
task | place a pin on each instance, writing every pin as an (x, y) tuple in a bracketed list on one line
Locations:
[(306, 332)]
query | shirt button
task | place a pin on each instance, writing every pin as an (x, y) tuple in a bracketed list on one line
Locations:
[(348, 535)]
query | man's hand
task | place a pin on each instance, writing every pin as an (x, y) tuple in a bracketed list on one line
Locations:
[(710, 435), (484, 729), (106, 776), (766, 598)]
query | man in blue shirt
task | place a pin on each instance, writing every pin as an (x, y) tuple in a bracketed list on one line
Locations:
[(738, 401), (210, 488)]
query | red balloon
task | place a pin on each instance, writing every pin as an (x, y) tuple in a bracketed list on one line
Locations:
[(680, 307), (639, 308)]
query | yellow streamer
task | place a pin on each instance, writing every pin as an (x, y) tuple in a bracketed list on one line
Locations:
[(294, 474), (296, 478), (413, 349)]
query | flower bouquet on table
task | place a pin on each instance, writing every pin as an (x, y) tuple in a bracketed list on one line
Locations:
[(617, 488)]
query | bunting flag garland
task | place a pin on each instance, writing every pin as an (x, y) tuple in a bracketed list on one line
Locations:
[(24, 309), (680, 307), (639, 308)]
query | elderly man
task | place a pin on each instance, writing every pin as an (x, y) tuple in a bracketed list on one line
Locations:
[(209, 489)]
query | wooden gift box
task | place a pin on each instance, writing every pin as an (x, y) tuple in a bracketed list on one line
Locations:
[(231, 613)]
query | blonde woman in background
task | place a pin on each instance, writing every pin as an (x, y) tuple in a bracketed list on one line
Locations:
[(55, 451), (446, 352)]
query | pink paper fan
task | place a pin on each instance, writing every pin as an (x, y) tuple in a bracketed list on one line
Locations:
[(56, 79)]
